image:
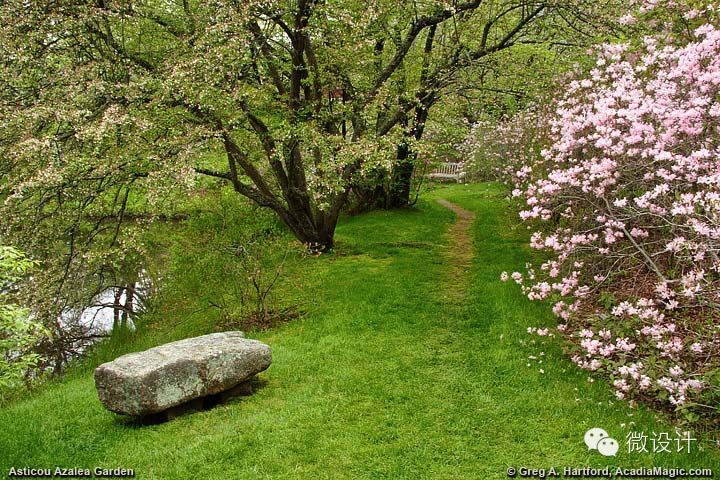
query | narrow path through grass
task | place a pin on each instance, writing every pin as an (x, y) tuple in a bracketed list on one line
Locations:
[(460, 251), (384, 377)]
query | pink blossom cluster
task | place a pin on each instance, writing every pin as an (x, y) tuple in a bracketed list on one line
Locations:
[(626, 200)]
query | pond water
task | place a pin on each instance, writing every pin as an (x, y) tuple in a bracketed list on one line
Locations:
[(114, 307)]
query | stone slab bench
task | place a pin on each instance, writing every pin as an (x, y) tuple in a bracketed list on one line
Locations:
[(179, 373)]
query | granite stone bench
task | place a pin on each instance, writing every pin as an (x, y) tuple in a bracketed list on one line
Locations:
[(180, 373)]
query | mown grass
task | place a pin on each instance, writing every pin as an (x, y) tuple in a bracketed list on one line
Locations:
[(387, 375)]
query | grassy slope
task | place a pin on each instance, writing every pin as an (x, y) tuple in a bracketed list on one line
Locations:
[(387, 376)]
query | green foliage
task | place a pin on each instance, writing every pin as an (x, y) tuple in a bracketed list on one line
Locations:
[(224, 260), (18, 333), (13, 263)]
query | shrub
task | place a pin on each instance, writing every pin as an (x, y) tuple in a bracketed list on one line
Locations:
[(626, 200), (18, 333), (505, 149), (227, 258)]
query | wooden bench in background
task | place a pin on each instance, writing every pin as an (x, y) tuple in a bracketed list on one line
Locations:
[(450, 171)]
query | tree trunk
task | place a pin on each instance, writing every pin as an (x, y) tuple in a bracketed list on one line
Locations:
[(318, 240), (398, 191), (129, 309), (117, 308), (400, 184), (316, 232)]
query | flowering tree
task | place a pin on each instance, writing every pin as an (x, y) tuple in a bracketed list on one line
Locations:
[(296, 97), (101, 96), (627, 201)]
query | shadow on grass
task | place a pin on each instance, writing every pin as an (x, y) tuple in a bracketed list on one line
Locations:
[(202, 404)]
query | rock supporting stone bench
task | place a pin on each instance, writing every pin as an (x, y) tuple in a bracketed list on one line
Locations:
[(163, 377)]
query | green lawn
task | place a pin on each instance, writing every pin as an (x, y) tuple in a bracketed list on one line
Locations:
[(387, 375)]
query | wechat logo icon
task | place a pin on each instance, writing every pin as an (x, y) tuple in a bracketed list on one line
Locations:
[(598, 439)]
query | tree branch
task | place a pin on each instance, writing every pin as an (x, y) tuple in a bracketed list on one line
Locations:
[(417, 26), (507, 39), (267, 53)]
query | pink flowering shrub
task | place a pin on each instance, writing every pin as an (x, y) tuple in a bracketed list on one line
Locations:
[(504, 150), (626, 201)]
